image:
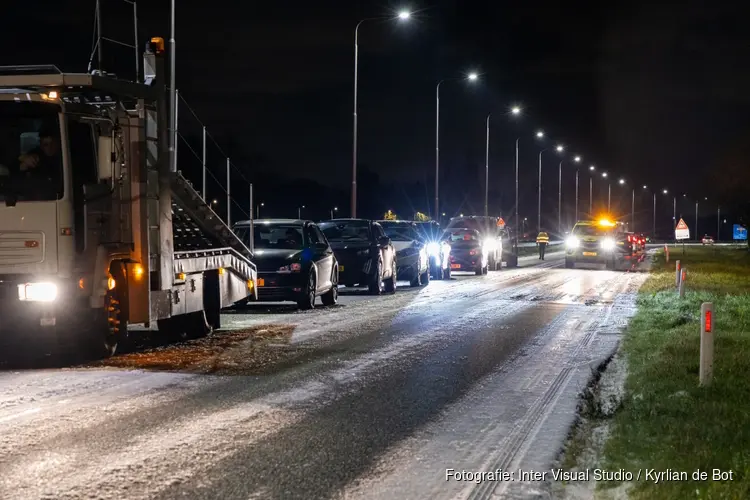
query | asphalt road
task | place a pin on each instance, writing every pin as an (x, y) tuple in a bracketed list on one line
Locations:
[(475, 374)]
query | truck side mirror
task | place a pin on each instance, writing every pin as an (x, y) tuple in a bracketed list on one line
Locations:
[(106, 160)]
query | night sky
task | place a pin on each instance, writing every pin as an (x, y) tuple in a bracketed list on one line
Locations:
[(657, 94)]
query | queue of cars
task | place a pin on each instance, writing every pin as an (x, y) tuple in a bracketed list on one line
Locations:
[(300, 260)]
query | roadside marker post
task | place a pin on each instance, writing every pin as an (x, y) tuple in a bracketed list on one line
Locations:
[(683, 275), (677, 274), (666, 251), (706, 370)]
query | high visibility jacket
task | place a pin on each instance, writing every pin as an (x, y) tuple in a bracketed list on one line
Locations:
[(542, 238)]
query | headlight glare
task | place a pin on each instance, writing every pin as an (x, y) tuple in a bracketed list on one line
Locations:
[(433, 248), (572, 242), (608, 244), (37, 292)]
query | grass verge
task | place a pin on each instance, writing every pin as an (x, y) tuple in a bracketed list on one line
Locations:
[(666, 421)]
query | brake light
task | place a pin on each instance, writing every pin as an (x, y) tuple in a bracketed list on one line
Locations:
[(467, 237), (630, 238)]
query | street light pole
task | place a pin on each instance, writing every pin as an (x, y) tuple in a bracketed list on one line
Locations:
[(487, 169), (437, 148), (559, 197), (517, 186), (632, 211), (539, 195), (591, 196), (609, 198), (653, 231), (576, 218), (718, 223), (696, 220)]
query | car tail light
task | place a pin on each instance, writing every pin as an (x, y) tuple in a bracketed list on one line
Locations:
[(630, 238), (472, 252)]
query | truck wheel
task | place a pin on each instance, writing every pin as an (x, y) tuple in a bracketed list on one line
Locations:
[(569, 263), (390, 283), (307, 299), (116, 325), (479, 271)]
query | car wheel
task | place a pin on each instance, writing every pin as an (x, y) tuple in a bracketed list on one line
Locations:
[(307, 299), (416, 280), (390, 283), (426, 277), (331, 297), (375, 286)]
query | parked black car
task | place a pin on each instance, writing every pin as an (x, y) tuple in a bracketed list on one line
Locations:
[(364, 253), (412, 261), (295, 261), (468, 251), (437, 249)]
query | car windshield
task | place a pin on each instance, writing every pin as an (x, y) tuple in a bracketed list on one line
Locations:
[(346, 231), (466, 235), (400, 232), (273, 236), (591, 230), (30, 152), (481, 225)]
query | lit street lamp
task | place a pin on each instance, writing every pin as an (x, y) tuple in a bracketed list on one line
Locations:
[(403, 16), (334, 209), (487, 169), (470, 77), (577, 159), (559, 149), (539, 135), (299, 211), (257, 210), (591, 191), (515, 111)]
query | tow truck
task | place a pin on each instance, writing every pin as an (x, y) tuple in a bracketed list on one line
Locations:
[(100, 230), (598, 241)]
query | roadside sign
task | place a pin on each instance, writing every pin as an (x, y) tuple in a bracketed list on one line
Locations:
[(681, 232), (501, 223), (739, 232)]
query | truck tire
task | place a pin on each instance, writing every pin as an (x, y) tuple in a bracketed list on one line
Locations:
[(512, 261), (426, 277)]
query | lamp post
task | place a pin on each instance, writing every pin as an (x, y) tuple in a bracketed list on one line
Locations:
[(471, 77), (577, 159), (334, 209), (516, 110), (257, 210), (609, 194), (539, 135), (591, 191), (487, 169), (559, 149), (299, 211), (403, 16)]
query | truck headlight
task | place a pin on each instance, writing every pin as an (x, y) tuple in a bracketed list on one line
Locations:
[(433, 249), (608, 244), (490, 244), (37, 292), (572, 242)]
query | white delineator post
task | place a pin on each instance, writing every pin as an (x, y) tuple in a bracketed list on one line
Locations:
[(677, 274), (683, 275), (706, 370), (666, 252)]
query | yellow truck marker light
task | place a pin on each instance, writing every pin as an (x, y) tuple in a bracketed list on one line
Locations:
[(221, 271)]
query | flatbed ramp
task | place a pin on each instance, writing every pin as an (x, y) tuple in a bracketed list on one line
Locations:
[(201, 239)]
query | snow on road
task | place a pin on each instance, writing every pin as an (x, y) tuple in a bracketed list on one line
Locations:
[(475, 373)]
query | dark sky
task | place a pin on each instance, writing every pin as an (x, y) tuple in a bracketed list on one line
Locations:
[(657, 93)]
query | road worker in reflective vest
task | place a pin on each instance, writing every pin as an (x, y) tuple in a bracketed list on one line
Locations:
[(542, 240)]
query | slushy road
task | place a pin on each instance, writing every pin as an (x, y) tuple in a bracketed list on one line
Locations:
[(382, 396)]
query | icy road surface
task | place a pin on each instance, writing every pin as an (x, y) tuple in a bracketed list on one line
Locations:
[(477, 374)]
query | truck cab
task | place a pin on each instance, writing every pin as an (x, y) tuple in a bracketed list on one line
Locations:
[(98, 229)]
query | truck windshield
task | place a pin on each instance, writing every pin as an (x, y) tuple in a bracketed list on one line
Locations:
[(591, 230), (30, 152)]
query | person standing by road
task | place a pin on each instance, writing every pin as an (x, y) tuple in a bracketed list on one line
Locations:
[(542, 240)]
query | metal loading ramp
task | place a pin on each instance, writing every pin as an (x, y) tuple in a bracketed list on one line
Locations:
[(199, 233)]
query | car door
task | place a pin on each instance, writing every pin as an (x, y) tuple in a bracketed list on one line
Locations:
[(322, 255)]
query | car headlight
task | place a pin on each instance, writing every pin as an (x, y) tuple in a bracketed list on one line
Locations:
[(37, 292), (572, 242), (291, 268), (433, 249), (608, 244), (490, 244)]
